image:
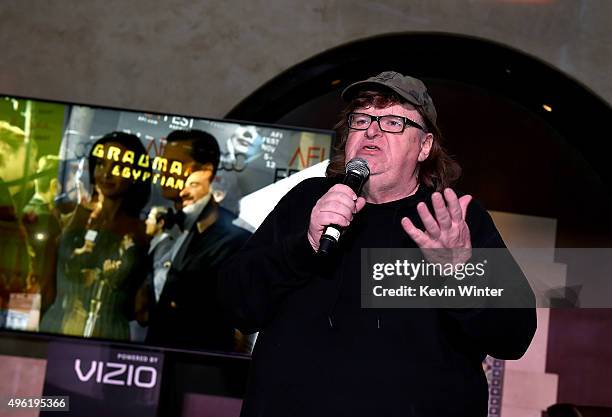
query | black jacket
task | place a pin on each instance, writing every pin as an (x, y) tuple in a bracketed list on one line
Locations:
[(320, 354), (188, 314)]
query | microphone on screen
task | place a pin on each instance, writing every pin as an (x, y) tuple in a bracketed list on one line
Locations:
[(357, 173)]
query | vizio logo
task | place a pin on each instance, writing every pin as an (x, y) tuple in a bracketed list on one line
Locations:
[(114, 373)]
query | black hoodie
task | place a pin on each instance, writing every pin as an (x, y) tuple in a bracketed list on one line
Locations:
[(320, 354)]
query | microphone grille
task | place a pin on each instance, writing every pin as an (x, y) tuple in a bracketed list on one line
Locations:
[(359, 166)]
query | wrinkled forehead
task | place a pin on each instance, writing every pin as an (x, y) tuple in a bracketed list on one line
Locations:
[(199, 176), (403, 109)]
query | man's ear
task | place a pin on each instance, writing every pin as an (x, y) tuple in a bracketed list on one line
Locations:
[(426, 145)]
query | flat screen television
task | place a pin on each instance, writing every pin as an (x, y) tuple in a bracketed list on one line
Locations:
[(67, 170)]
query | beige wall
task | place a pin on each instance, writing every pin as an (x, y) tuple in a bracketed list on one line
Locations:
[(202, 57)]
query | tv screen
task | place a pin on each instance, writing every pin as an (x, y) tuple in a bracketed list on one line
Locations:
[(115, 222)]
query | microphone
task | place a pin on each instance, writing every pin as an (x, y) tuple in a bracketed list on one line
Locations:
[(357, 173)]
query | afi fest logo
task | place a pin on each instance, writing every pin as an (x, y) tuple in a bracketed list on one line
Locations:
[(115, 373)]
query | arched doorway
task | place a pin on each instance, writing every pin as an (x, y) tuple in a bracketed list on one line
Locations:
[(530, 139)]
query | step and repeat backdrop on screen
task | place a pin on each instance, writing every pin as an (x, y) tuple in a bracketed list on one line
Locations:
[(96, 209)]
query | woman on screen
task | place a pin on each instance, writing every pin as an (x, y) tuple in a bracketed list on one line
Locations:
[(103, 247)]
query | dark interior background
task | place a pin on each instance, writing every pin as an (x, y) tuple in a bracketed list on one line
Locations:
[(517, 156)]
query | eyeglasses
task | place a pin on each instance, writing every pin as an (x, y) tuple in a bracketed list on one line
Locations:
[(387, 123)]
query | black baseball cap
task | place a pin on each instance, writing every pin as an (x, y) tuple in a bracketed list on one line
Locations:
[(409, 88)]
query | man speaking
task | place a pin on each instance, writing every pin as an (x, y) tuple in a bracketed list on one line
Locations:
[(318, 352)]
